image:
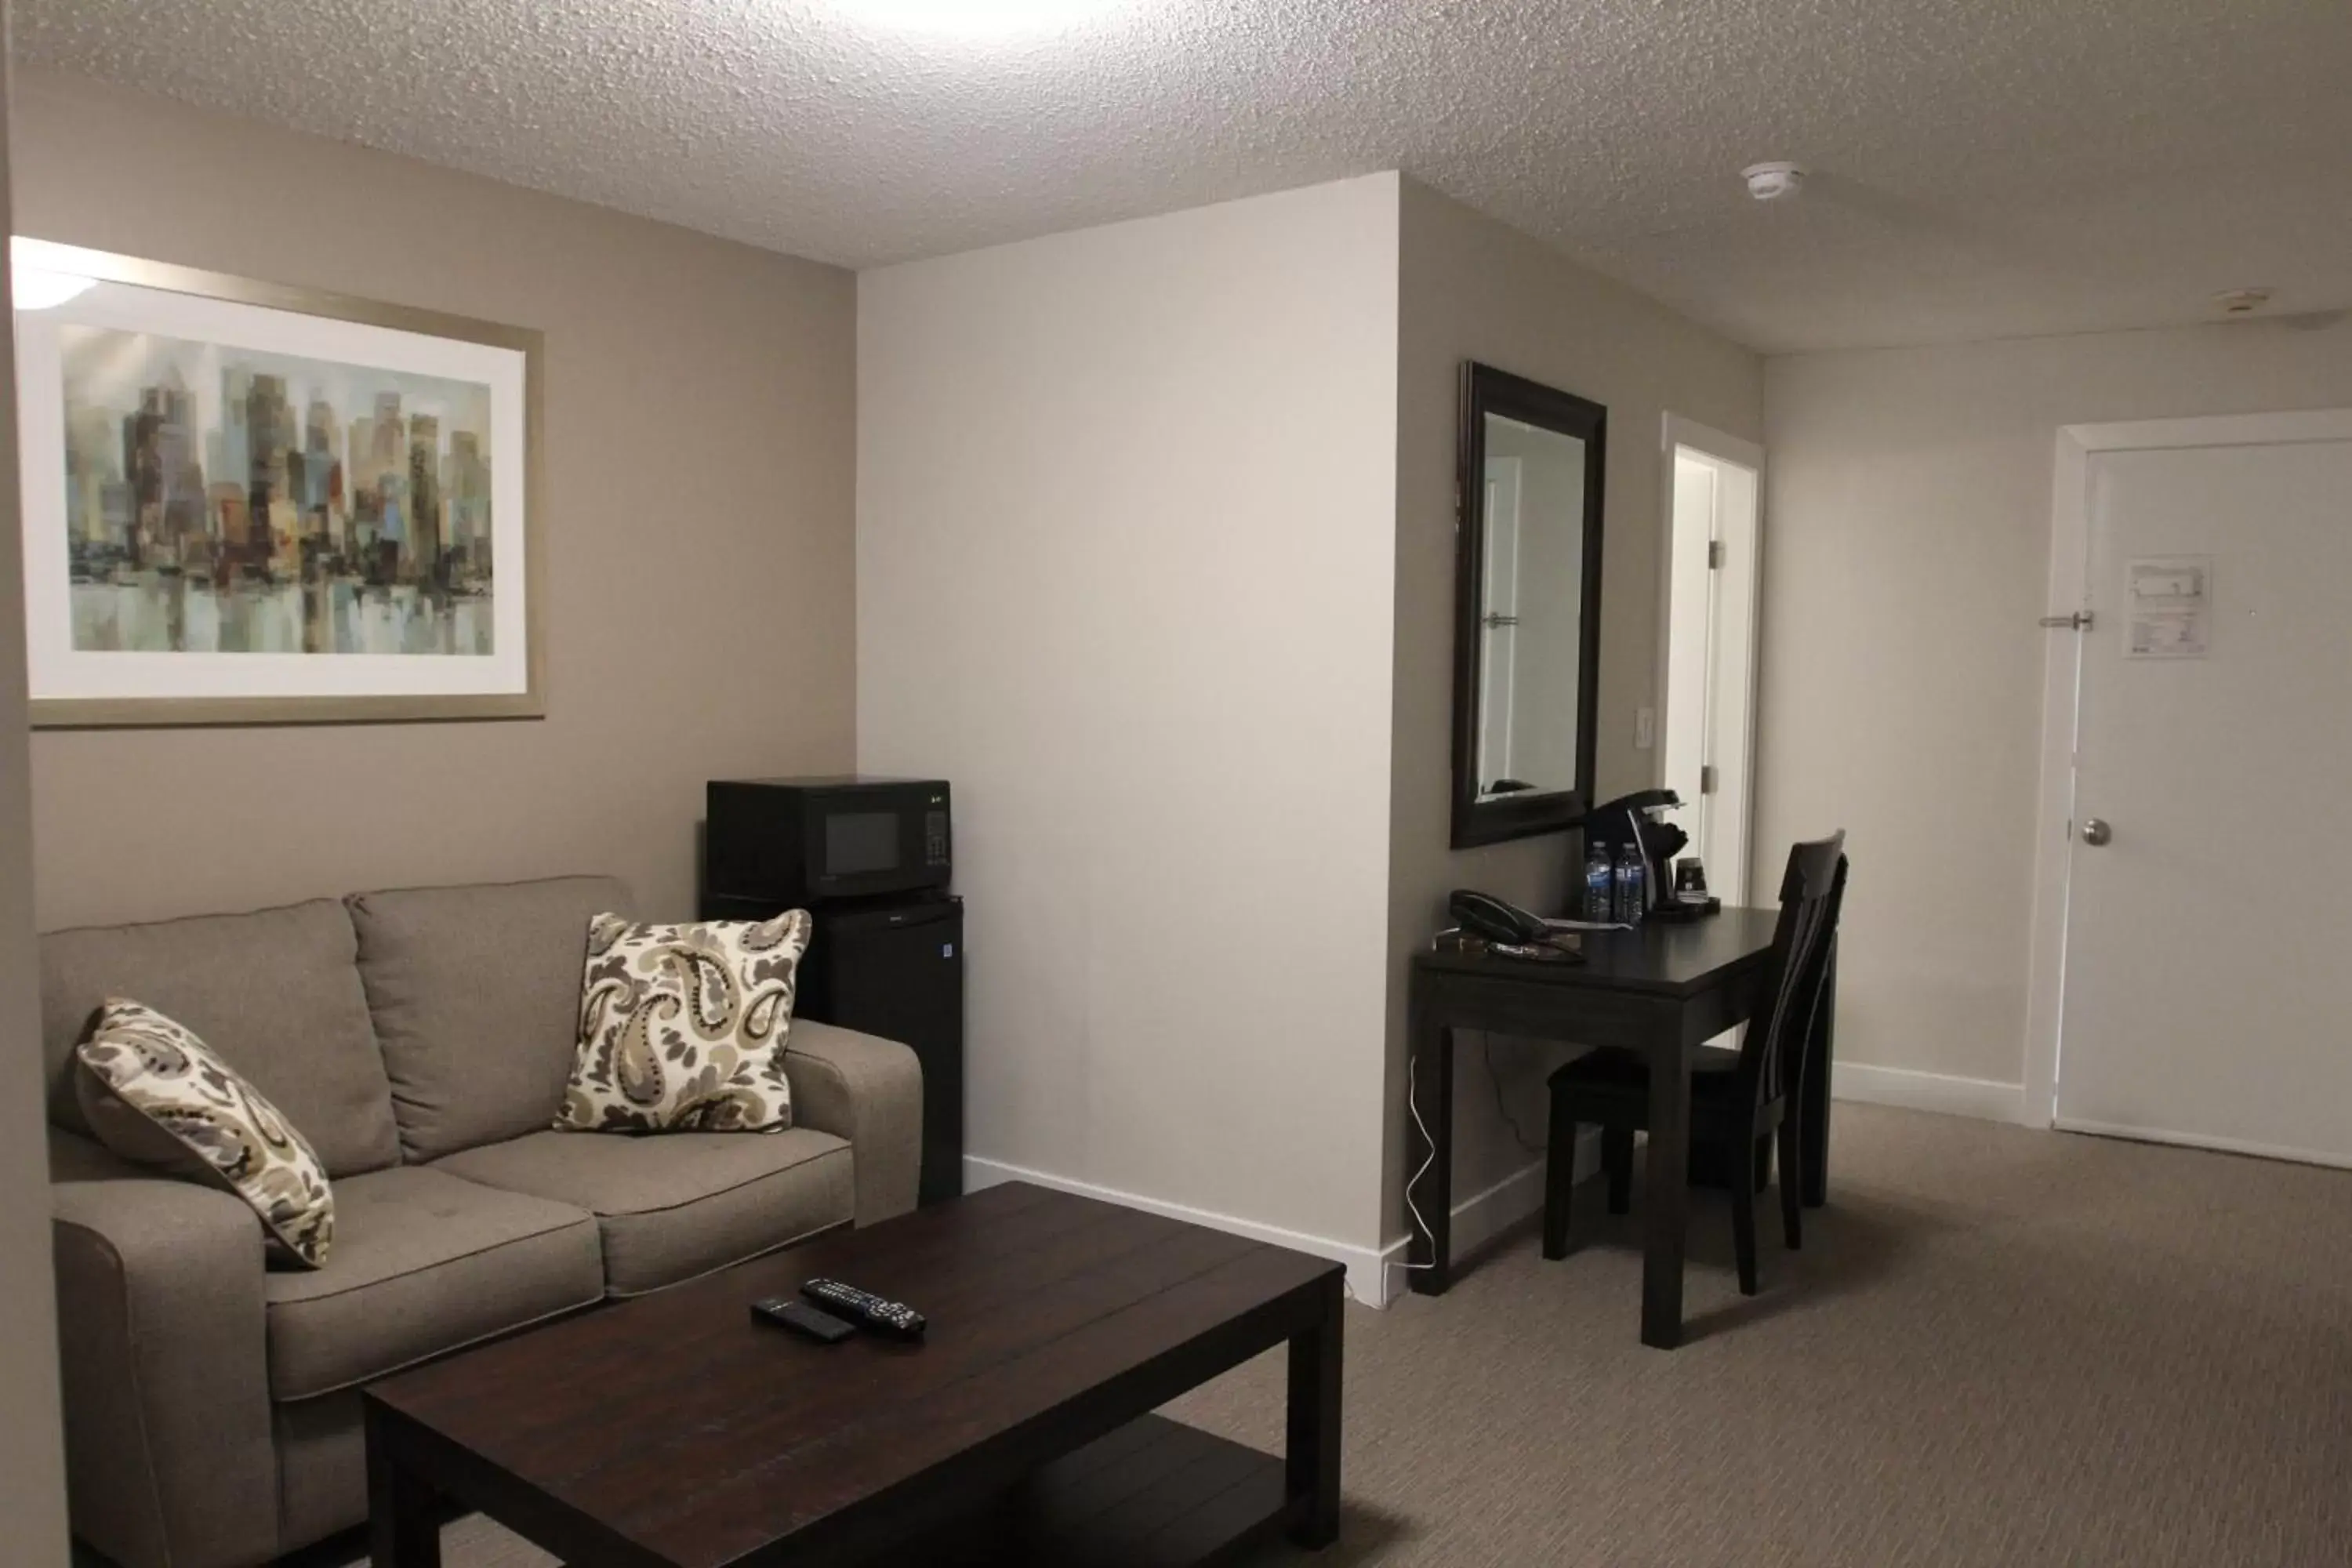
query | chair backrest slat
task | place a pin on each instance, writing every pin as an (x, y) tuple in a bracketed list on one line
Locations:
[(1771, 1059)]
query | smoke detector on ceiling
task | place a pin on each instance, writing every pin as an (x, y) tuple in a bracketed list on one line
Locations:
[(1771, 182), (2241, 301)]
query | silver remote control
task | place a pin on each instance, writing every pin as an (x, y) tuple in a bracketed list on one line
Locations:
[(864, 1309)]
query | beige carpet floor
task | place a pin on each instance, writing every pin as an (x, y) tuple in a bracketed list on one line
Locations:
[(1998, 1347)]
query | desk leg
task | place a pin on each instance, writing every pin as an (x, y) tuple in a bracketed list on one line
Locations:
[(1813, 1120), (404, 1513), (1432, 1197), (1668, 1197), (1312, 1455)]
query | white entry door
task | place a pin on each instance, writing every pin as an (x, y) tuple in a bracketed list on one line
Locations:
[(2209, 899)]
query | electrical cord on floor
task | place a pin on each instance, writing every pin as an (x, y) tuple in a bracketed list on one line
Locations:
[(1412, 1105), (1487, 1054)]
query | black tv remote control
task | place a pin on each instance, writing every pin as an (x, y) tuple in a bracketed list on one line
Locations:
[(803, 1319), (868, 1310)]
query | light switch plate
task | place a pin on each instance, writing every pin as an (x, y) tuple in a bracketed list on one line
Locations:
[(1646, 729)]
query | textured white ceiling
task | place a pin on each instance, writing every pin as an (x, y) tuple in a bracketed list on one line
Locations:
[(1982, 167)]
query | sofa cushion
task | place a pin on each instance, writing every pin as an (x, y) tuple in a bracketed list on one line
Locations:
[(155, 1095), (676, 1205), (682, 1028), (275, 992), (476, 995), (425, 1262)]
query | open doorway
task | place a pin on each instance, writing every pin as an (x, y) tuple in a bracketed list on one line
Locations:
[(1713, 483)]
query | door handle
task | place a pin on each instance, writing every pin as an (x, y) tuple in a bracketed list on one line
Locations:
[(2095, 832)]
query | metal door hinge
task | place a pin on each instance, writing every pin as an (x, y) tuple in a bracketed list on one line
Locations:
[(1707, 779), (2079, 621), (1714, 555)]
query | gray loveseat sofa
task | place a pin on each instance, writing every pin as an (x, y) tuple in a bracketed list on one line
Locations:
[(421, 1039)]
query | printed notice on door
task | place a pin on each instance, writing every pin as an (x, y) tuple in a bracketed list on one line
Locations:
[(2168, 607)]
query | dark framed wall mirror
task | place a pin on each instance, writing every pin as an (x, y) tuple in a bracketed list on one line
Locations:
[(1526, 642)]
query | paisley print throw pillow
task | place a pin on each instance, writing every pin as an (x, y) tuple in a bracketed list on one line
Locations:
[(156, 1095), (682, 1028)]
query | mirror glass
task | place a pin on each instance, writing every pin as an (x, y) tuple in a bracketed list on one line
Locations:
[(1530, 610), (1527, 606)]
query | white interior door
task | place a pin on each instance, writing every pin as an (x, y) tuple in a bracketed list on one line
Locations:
[(1690, 640), (2208, 898), (1710, 652)]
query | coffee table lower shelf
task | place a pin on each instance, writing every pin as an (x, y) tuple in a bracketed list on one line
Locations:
[(1153, 1494)]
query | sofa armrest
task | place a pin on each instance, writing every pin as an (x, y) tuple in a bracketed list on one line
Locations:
[(163, 1344), (870, 1092)]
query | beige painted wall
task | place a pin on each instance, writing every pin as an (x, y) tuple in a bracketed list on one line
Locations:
[(1907, 561), (1126, 511), (1473, 288), (32, 1463), (700, 464)]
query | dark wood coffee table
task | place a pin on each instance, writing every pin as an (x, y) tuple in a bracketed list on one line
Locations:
[(674, 1432)]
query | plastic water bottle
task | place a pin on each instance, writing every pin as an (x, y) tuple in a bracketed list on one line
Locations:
[(1631, 876), (1600, 884)]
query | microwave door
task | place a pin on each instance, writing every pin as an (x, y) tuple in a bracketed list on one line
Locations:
[(875, 842), (861, 846)]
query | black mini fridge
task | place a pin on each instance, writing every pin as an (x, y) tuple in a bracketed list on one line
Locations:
[(895, 969)]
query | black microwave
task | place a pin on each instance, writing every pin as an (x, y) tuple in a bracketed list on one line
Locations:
[(798, 842)]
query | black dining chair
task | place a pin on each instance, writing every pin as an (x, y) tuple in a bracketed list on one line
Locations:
[(1739, 1099)]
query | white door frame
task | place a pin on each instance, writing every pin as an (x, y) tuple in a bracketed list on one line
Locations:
[(2070, 537), (1676, 431)]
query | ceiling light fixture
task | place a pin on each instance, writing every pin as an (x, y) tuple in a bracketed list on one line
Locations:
[(1771, 182), (37, 288), (981, 18)]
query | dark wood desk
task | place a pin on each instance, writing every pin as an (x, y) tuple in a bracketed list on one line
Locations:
[(1661, 990)]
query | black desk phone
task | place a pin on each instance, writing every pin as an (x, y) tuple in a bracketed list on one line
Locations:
[(1495, 919), (1511, 930)]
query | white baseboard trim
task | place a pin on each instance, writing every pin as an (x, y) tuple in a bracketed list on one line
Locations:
[(1486, 1215), (1933, 1092), (2200, 1141), (1362, 1263), (1375, 1277)]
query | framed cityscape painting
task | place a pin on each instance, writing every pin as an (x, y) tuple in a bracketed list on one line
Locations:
[(249, 504)]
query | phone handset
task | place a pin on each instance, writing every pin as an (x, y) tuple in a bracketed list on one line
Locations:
[(1494, 919)]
